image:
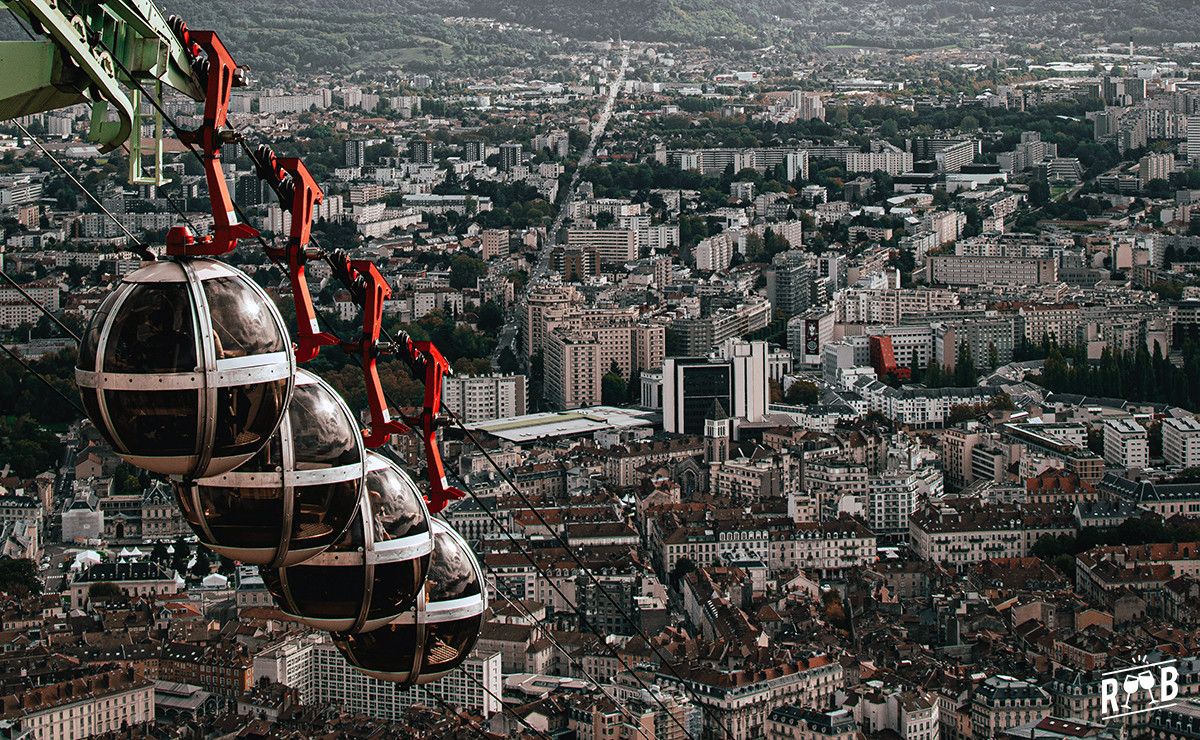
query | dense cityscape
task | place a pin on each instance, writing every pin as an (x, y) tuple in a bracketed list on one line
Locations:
[(809, 387)]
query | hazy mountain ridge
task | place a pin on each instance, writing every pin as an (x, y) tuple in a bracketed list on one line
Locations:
[(349, 34)]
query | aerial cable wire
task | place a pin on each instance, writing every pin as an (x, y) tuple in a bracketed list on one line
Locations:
[(503, 707), (142, 249), (49, 314), (516, 605), (29, 369), (587, 624), (666, 662)]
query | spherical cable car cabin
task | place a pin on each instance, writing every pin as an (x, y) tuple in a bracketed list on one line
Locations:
[(186, 368), (373, 574), (438, 633), (296, 497)]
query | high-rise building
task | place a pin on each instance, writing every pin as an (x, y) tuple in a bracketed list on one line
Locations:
[(494, 243), (1155, 167), (1126, 444), (1181, 441), (808, 333), (789, 282), (1192, 145), (474, 150), (354, 152), (572, 369), (312, 665), (737, 381), (808, 105), (420, 151), (484, 397), (544, 305), (510, 156)]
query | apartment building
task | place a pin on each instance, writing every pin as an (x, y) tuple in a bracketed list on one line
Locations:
[(826, 549), (1001, 702), (572, 368), (111, 701), (485, 397), (613, 247), (1126, 444), (494, 243), (892, 162), (736, 704), (959, 532), (1181, 441), (312, 665), (951, 269)]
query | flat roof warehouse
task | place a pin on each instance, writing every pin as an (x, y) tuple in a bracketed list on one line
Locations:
[(564, 424)]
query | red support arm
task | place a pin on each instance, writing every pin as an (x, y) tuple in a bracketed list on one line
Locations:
[(219, 73), (426, 363), (299, 194)]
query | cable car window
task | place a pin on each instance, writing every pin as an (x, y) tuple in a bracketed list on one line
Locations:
[(395, 585), (324, 437), (183, 495), (447, 644), (154, 423), (91, 403), (153, 332), (395, 505), (389, 649), (243, 517), (243, 322), (91, 339), (322, 513), (352, 540), (246, 415), (327, 592), (452, 572)]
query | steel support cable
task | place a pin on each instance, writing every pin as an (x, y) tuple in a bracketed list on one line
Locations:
[(664, 659), (29, 369), (587, 624), (144, 251), (48, 313), (566, 653), (504, 708)]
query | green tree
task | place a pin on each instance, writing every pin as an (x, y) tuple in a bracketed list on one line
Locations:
[(19, 577), (203, 566), (965, 373), (491, 317), (802, 393), (465, 271), (613, 387), (1039, 192)]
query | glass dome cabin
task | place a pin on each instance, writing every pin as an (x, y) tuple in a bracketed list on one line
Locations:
[(186, 368), (296, 497), (435, 636), (373, 574)]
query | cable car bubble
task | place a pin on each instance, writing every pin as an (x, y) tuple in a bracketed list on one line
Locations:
[(435, 637), (373, 574), (296, 497), (186, 368)]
